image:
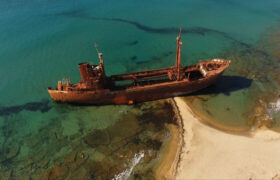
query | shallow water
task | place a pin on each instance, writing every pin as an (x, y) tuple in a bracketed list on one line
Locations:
[(247, 96), (87, 142), (43, 41)]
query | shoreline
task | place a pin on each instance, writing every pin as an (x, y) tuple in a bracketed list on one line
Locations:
[(208, 152), (168, 166)]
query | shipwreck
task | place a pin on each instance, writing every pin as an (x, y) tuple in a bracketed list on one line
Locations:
[(97, 89)]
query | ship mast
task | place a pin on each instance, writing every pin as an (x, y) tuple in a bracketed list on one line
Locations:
[(99, 54), (101, 63), (178, 54)]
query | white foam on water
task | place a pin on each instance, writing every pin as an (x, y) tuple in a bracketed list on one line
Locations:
[(277, 105), (125, 174), (274, 108)]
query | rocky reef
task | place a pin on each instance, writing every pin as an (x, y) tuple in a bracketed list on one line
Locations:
[(128, 147)]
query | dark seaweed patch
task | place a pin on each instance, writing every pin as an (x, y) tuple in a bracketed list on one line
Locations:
[(133, 58), (169, 30), (6, 131), (154, 144), (133, 43), (159, 115), (166, 54), (142, 62), (137, 176), (172, 30), (42, 106), (155, 58), (97, 138), (75, 12)]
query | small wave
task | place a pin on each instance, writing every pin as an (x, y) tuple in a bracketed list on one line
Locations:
[(125, 174), (274, 107)]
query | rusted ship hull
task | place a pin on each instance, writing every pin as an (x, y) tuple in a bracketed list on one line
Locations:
[(133, 95)]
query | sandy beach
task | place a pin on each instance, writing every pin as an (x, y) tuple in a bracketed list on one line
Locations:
[(209, 153)]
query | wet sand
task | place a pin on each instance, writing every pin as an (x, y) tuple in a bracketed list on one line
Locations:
[(213, 154), (167, 166), (169, 163)]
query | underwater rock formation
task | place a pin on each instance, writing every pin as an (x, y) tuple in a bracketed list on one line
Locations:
[(95, 154)]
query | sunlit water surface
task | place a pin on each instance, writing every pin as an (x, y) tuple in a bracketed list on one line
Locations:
[(43, 41)]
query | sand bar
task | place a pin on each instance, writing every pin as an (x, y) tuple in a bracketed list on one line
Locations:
[(209, 153)]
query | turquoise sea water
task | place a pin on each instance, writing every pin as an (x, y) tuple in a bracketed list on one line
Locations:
[(43, 41)]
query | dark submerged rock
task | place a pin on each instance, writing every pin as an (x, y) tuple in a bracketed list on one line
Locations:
[(98, 137)]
